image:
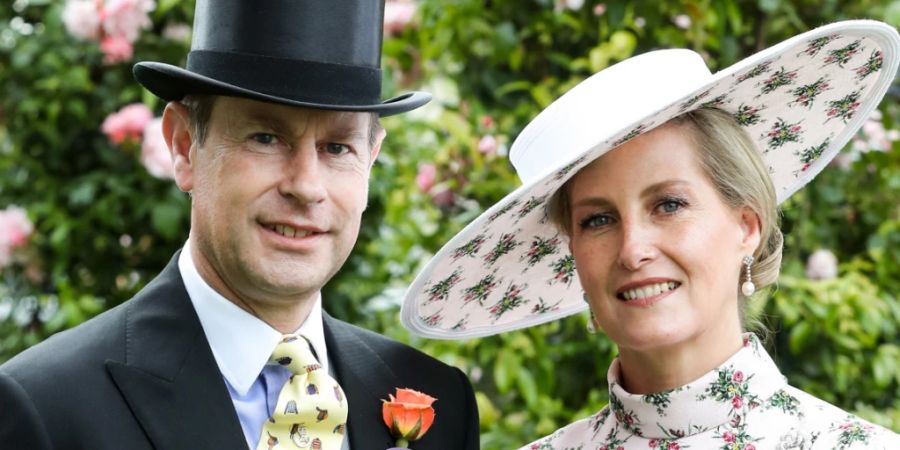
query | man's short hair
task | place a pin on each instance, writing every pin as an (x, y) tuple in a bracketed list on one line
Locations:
[(200, 110)]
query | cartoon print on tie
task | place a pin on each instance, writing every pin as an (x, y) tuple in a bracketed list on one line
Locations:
[(284, 360), (300, 435), (317, 444), (290, 407), (339, 395), (311, 389), (272, 442), (323, 414), (340, 429)]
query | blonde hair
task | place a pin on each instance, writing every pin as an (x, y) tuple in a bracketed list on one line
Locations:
[(729, 157)]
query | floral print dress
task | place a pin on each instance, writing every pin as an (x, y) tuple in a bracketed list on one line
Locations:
[(744, 404)]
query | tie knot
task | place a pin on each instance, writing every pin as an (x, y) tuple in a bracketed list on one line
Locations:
[(295, 354)]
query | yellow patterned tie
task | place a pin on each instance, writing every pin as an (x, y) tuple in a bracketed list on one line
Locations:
[(311, 412)]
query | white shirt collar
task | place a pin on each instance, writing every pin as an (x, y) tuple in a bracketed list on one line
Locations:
[(240, 342)]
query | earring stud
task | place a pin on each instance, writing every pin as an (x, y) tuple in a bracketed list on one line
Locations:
[(747, 288)]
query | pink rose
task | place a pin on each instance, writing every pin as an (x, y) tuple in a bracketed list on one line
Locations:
[(82, 19), (673, 446), (127, 123), (737, 402), (15, 228), (682, 21), (397, 15), (444, 198), (426, 176), (738, 376), (822, 265), (116, 49), (749, 447), (178, 32), (728, 437), (126, 18), (653, 443), (487, 145), (155, 155)]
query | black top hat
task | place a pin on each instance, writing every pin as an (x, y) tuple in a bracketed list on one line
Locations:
[(311, 53)]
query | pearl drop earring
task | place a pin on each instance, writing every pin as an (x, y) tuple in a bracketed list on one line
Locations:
[(591, 327), (747, 288)]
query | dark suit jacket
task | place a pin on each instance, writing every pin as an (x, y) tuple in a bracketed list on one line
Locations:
[(142, 376)]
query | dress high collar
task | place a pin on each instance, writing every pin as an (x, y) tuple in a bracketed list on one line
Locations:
[(744, 382)]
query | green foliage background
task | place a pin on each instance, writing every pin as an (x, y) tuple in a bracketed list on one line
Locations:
[(104, 227)]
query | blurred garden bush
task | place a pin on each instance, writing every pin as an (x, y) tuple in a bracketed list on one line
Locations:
[(88, 214)]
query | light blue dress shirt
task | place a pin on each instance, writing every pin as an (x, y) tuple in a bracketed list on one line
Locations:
[(242, 344)]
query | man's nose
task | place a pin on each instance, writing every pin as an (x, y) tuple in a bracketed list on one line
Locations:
[(639, 246), (303, 176)]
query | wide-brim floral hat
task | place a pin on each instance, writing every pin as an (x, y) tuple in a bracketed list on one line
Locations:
[(800, 100)]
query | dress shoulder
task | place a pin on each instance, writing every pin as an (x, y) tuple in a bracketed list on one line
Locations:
[(829, 427), (572, 436)]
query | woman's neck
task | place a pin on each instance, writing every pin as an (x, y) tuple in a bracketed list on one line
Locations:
[(663, 368)]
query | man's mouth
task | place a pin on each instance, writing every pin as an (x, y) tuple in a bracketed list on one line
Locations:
[(289, 231)]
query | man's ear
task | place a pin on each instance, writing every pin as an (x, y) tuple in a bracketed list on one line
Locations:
[(177, 132), (376, 146), (751, 230)]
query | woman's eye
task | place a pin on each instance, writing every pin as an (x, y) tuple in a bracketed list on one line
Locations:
[(337, 149), (596, 221), (670, 206)]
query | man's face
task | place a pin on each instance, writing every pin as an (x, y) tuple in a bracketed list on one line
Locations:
[(278, 193)]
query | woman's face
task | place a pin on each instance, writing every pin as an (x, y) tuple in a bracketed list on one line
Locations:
[(657, 250)]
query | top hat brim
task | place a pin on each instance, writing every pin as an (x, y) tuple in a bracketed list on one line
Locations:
[(173, 83)]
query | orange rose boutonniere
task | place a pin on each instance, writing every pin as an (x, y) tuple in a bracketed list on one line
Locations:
[(409, 415)]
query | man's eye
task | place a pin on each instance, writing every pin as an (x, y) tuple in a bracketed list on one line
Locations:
[(265, 139), (337, 149), (596, 221)]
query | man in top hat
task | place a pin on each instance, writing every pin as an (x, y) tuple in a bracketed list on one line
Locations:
[(273, 129)]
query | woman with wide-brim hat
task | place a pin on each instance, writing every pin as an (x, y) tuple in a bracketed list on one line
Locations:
[(649, 195)]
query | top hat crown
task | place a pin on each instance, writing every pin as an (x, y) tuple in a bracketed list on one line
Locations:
[(306, 53)]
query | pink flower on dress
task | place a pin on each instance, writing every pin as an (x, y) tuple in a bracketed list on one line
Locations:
[(116, 49), (15, 228), (673, 446), (128, 123), (749, 447), (737, 402), (738, 376), (155, 155), (426, 177), (728, 437), (82, 19), (653, 443), (397, 15)]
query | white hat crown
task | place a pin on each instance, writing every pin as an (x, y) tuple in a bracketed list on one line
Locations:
[(660, 77)]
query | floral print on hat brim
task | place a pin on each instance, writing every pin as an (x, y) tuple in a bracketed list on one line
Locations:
[(801, 101)]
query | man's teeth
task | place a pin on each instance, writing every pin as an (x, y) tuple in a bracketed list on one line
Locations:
[(287, 231), (649, 290)]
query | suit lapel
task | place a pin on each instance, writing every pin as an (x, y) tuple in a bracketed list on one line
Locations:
[(366, 380), (169, 376)]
